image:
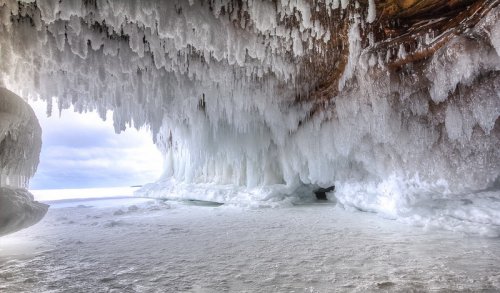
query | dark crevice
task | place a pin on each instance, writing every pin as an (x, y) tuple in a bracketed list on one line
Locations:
[(321, 192)]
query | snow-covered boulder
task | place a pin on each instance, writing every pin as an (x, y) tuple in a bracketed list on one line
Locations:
[(18, 210)]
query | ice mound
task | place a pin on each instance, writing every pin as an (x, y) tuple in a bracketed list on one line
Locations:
[(18, 210), (426, 205), (277, 195)]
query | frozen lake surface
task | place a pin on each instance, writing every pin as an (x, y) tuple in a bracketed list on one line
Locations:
[(144, 245)]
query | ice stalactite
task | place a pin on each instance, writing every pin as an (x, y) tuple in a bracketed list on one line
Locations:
[(261, 102), (20, 144)]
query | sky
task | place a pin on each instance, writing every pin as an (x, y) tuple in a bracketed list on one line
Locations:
[(83, 151)]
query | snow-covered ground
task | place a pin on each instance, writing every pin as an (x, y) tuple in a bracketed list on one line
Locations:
[(145, 245)]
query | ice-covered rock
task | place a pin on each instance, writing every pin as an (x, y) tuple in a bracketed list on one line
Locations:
[(20, 140), (20, 143), (18, 210)]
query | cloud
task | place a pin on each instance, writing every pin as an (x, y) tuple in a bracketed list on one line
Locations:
[(82, 151)]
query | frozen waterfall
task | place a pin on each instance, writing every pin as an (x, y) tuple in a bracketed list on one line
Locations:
[(262, 102)]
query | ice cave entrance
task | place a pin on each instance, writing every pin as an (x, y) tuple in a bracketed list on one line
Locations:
[(82, 151)]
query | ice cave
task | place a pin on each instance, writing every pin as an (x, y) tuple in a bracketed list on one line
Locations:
[(395, 103), (262, 102)]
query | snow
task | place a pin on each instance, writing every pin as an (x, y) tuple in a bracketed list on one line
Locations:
[(218, 93), (158, 246)]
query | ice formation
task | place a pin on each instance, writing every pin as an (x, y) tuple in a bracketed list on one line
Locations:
[(254, 101), (20, 143)]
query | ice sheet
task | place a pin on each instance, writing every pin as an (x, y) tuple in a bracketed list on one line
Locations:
[(158, 246)]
